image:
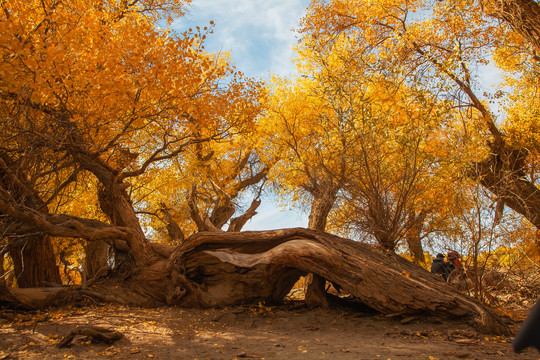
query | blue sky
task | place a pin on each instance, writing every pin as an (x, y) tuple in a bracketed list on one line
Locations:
[(259, 36), (258, 33)]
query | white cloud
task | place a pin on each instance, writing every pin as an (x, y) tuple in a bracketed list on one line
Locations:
[(258, 33)]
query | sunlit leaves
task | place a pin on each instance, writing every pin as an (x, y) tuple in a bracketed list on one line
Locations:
[(104, 80), (439, 46)]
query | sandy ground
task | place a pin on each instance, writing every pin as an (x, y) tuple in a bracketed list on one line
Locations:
[(247, 332)]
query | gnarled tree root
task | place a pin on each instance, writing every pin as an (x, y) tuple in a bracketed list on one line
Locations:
[(97, 333)]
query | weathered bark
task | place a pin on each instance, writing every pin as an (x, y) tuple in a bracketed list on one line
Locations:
[(522, 15), (315, 294), (116, 204), (97, 333), (97, 254), (237, 223), (2, 270), (502, 173), (222, 213), (271, 261), (33, 256), (34, 261), (175, 233), (324, 196), (11, 301), (222, 269), (413, 235), (39, 298)]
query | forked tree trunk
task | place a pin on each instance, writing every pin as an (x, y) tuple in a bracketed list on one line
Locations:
[(176, 235), (34, 262), (116, 204), (237, 223), (503, 174)]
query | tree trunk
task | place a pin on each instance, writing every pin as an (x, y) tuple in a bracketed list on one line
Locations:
[(324, 196), (320, 208), (223, 212), (116, 204), (97, 254), (223, 269), (413, 236), (34, 262), (237, 223), (176, 235), (522, 15), (247, 267), (385, 242), (202, 221), (502, 174), (2, 256), (33, 256)]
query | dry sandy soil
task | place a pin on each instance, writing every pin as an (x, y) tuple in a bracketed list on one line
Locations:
[(289, 332)]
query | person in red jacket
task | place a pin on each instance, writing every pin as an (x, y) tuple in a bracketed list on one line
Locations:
[(452, 260)]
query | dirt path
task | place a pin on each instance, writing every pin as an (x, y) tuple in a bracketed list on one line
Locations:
[(255, 332)]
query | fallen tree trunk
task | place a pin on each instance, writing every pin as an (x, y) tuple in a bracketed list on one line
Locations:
[(222, 269), (232, 268)]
